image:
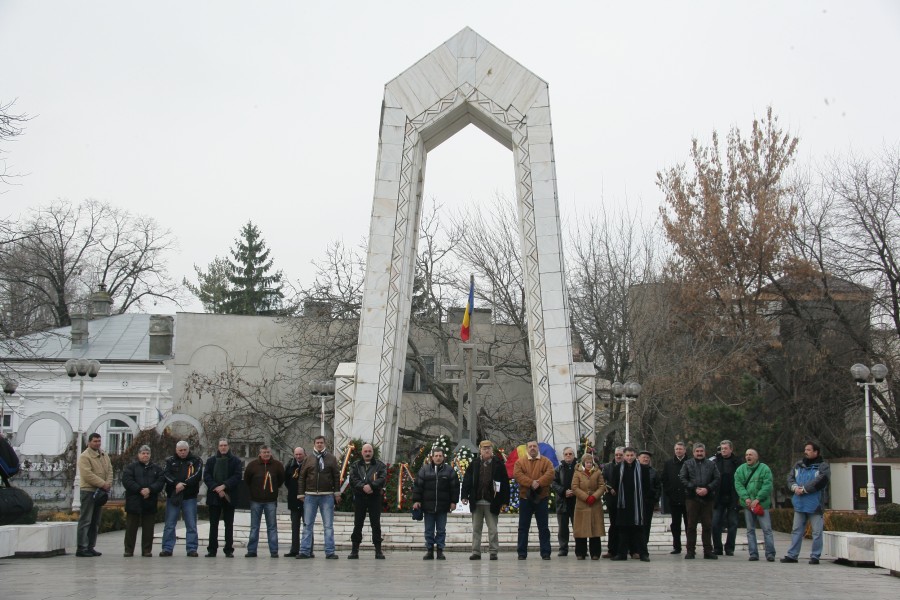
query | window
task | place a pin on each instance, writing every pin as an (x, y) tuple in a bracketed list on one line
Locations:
[(119, 436), (245, 449), (6, 426), (412, 381)]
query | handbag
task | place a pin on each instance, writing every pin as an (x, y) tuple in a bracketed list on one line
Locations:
[(15, 503), (100, 497), (417, 514), (758, 510)]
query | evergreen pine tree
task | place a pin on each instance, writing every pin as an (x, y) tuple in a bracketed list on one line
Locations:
[(253, 290), (212, 285)]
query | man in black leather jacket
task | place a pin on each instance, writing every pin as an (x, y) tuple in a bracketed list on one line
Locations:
[(675, 493), (367, 478), (701, 480), (565, 499)]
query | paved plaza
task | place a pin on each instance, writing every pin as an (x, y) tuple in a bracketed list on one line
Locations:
[(405, 575)]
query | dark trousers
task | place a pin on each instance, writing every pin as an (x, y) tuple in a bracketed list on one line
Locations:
[(563, 520), (612, 532), (146, 523), (725, 517), (360, 510), (581, 546), (88, 520), (224, 512), (699, 511), (296, 522), (679, 514), (541, 514), (631, 540)]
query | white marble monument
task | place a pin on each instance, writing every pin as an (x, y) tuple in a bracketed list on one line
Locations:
[(464, 81)]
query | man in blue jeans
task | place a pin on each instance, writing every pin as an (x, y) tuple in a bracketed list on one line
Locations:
[(264, 476), (319, 487), (808, 481), (436, 491), (534, 474), (183, 473)]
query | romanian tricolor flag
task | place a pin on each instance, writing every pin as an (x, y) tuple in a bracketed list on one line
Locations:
[(470, 306)]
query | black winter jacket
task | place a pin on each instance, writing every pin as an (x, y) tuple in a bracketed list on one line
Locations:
[(136, 477), (498, 474), (671, 483), (726, 495), (700, 473), (436, 488), (291, 482), (562, 481), (187, 470), (235, 467), (375, 475)]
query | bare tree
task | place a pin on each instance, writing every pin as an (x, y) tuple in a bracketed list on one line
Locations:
[(64, 250), (11, 126)]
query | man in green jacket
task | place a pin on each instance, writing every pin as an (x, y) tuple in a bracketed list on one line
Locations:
[(753, 484)]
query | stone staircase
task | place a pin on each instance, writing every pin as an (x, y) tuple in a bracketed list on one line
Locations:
[(402, 533)]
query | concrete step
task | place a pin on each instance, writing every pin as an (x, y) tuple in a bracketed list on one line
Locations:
[(400, 532)]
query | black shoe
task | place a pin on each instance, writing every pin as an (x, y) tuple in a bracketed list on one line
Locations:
[(718, 553), (84, 553), (165, 553), (94, 552), (312, 554), (193, 554), (522, 557), (440, 554), (788, 559), (210, 555), (729, 553), (814, 561), (690, 556), (291, 555), (770, 558), (250, 555), (579, 557), (619, 557), (379, 554), (562, 553), (493, 557), (354, 554), (429, 554), (475, 557), (146, 554), (332, 556), (678, 551), (273, 554), (303, 556), (229, 555), (128, 554), (711, 556), (645, 558), (545, 557), (753, 558)]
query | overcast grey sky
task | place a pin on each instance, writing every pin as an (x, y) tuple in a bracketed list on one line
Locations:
[(208, 113)]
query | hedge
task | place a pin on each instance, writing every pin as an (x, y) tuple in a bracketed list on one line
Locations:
[(885, 522)]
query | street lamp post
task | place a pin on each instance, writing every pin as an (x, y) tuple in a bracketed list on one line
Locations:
[(630, 391), (9, 388), (861, 374), (81, 367), (323, 390)]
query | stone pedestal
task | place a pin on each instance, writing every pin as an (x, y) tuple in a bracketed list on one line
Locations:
[(37, 541), (887, 554)]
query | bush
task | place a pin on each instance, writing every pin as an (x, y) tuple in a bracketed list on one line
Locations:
[(888, 513), (878, 528), (843, 520), (782, 519)]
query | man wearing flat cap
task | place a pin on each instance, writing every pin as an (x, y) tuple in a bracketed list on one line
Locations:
[(644, 457), (486, 485)]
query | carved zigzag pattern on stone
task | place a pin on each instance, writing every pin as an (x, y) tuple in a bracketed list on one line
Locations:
[(586, 407), (343, 410), (543, 412), (393, 300)]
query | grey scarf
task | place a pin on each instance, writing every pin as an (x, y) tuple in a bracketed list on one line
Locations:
[(638, 492)]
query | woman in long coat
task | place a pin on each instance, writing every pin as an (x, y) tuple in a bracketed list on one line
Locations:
[(589, 488)]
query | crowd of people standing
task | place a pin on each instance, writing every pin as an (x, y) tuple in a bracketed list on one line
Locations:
[(709, 492)]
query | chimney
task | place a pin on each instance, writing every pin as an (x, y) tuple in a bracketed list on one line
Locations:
[(101, 302), (162, 331), (79, 330)]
